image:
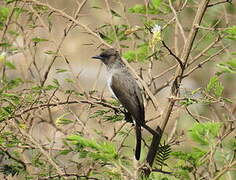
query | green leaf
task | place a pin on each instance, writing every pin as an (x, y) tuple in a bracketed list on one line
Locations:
[(231, 33), (215, 87), (205, 133), (105, 37), (77, 139), (5, 112), (138, 8), (153, 8), (69, 80), (9, 1), (19, 11), (109, 34), (156, 3), (227, 67), (37, 39), (99, 151), (61, 70), (47, 88), (140, 54), (49, 52), (114, 13), (96, 7), (65, 151), (14, 33), (99, 113), (12, 98), (195, 91), (188, 101), (114, 118), (14, 83), (193, 157), (61, 120), (4, 13), (56, 82), (10, 65), (5, 44)]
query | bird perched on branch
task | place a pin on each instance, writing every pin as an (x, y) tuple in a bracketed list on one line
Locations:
[(125, 88)]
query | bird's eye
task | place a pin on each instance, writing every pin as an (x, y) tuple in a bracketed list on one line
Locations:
[(104, 56)]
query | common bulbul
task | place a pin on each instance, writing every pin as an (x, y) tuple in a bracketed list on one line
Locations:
[(125, 88)]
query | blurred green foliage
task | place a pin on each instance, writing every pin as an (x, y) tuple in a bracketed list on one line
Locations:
[(209, 143)]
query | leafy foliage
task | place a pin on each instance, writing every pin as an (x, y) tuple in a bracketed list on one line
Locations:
[(227, 67), (110, 36), (215, 87), (154, 7), (53, 121), (163, 154), (98, 151), (205, 133), (4, 11), (140, 54), (231, 33)]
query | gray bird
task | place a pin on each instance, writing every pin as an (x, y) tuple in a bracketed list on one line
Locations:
[(124, 87)]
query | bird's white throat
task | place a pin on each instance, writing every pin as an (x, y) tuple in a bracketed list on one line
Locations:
[(109, 82)]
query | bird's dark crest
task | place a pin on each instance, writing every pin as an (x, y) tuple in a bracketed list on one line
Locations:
[(109, 52), (108, 56)]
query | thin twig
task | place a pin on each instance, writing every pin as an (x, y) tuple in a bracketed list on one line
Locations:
[(89, 31), (221, 2), (177, 21), (68, 175), (176, 57), (203, 62), (178, 76)]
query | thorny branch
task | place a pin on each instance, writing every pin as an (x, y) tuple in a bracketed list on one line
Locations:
[(178, 78), (183, 70)]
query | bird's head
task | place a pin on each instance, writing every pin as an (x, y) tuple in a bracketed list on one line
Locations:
[(108, 56)]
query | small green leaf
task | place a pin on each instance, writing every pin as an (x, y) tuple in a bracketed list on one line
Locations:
[(9, 1), (61, 120), (140, 54), (114, 118), (47, 88), (188, 101), (10, 65), (19, 11), (105, 37), (227, 67), (61, 70), (96, 7), (14, 33), (12, 98), (156, 3), (195, 91), (65, 151), (215, 87), (205, 133), (69, 80), (37, 40), (77, 139), (50, 52), (13, 83), (114, 13), (3, 13), (56, 82), (138, 8), (231, 33), (5, 44)]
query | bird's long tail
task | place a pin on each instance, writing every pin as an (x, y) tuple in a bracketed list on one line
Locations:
[(138, 141)]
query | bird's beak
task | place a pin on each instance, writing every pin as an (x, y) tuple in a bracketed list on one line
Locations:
[(97, 57)]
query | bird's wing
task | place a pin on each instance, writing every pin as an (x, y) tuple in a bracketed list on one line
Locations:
[(129, 94)]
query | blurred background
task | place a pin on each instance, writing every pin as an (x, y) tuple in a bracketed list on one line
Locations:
[(49, 45)]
